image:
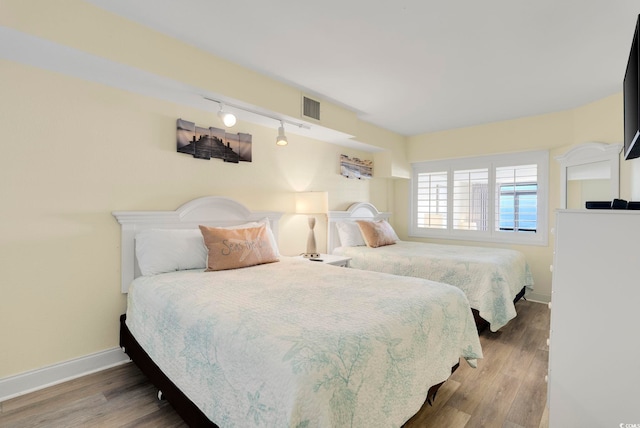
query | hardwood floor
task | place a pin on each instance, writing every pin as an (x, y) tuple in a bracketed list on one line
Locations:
[(506, 390)]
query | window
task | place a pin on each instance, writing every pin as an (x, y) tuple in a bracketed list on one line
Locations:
[(517, 198), (491, 198)]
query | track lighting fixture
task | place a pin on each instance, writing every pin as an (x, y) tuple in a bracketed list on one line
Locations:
[(229, 119), (281, 139)]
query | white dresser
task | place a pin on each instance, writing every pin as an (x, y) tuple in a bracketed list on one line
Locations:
[(594, 350)]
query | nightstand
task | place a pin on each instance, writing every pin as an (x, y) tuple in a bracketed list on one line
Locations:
[(330, 259)]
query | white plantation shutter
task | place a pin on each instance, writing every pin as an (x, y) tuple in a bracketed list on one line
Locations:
[(497, 198), (470, 203), (432, 200), (480, 207)]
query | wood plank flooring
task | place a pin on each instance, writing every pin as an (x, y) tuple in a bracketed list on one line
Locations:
[(507, 390), (508, 387)]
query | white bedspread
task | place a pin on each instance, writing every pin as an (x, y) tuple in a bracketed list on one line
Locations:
[(300, 344), (490, 277)]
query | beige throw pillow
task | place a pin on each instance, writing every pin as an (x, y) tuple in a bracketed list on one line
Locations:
[(237, 248), (377, 233)]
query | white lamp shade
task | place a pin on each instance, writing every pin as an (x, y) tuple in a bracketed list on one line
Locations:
[(312, 202)]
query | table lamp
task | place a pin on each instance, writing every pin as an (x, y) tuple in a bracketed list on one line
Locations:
[(311, 203)]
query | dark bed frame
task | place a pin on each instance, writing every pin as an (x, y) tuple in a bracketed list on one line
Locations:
[(192, 415), (168, 390), (481, 323)]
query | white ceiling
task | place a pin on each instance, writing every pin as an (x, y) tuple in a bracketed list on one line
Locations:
[(415, 66)]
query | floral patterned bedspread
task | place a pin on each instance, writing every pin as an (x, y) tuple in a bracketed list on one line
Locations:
[(302, 344), (490, 277)]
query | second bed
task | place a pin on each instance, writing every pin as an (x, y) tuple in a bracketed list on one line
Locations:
[(493, 279)]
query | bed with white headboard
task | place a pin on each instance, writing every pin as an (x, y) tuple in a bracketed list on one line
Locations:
[(357, 211), (283, 342), (493, 279), (208, 210)]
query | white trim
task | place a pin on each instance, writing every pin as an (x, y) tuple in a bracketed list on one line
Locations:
[(34, 380), (538, 298)]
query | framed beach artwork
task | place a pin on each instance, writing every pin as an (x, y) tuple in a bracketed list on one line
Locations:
[(356, 168), (207, 143)]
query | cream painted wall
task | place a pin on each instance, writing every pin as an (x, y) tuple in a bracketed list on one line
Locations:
[(75, 151), (599, 121)]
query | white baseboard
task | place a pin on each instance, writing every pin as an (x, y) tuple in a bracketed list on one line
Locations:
[(538, 298), (14, 386)]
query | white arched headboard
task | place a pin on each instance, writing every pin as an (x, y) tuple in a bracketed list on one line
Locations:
[(357, 211), (206, 211)]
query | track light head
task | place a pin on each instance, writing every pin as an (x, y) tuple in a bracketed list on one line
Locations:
[(229, 119), (281, 139)]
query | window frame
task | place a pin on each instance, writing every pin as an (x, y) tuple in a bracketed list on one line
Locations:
[(540, 158)]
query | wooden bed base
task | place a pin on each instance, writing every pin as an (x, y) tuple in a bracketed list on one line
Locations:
[(192, 415), (481, 323)]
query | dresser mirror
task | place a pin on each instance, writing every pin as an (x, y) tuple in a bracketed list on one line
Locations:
[(589, 172)]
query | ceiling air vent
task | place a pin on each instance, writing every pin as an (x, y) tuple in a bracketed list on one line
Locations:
[(310, 108)]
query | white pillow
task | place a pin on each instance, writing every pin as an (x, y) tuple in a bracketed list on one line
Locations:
[(169, 250), (265, 221), (394, 235), (350, 234)]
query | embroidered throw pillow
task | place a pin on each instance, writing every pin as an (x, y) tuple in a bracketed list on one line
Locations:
[(237, 248)]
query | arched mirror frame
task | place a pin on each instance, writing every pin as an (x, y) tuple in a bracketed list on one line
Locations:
[(590, 153)]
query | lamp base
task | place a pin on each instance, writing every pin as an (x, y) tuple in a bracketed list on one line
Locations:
[(310, 255)]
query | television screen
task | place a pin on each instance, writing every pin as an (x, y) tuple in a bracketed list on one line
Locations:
[(632, 100)]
